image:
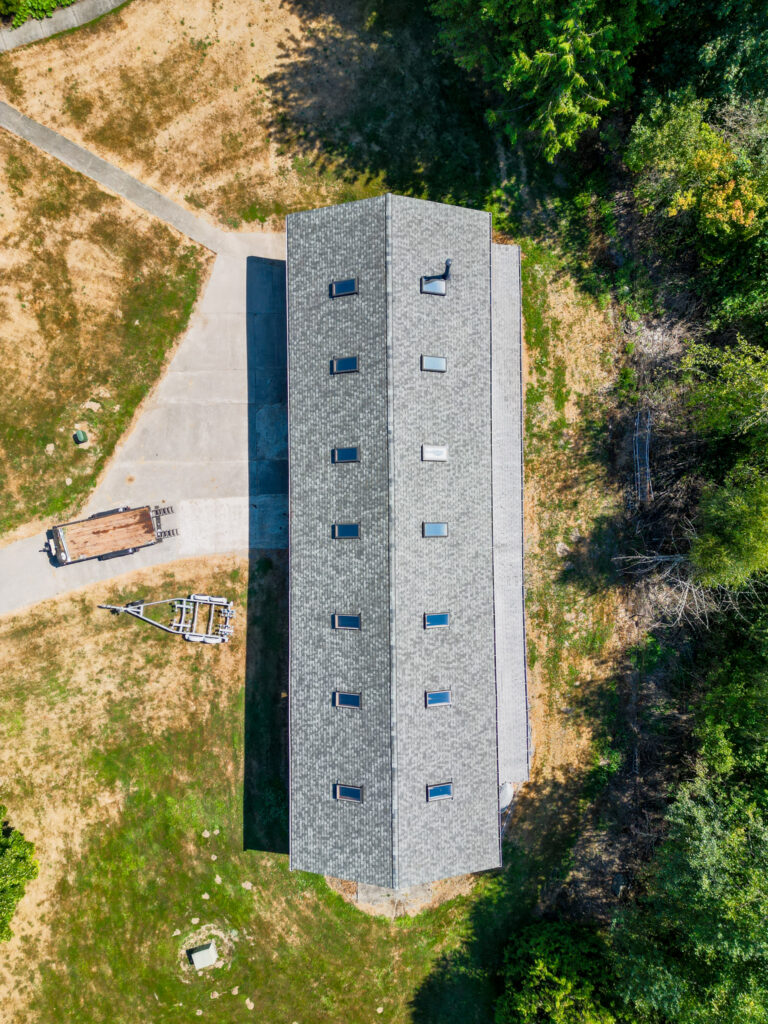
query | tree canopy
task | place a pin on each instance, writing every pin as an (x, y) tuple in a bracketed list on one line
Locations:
[(555, 68), (552, 973), (695, 949)]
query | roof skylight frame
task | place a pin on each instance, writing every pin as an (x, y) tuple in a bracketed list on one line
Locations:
[(343, 287), (345, 531), (343, 364), (349, 794), (347, 699), (434, 529), (434, 453), (346, 622), (436, 284), (438, 699), (342, 455), (440, 791), (434, 364)]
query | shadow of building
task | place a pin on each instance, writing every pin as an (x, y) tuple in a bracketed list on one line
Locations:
[(265, 795)]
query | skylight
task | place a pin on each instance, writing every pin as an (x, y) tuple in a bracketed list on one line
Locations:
[(346, 287), (434, 453), (435, 284), (433, 287), (345, 622), (437, 698), (433, 620), (436, 364), (345, 531), (440, 791), (354, 793), (347, 364), (346, 700), (434, 529), (345, 455)]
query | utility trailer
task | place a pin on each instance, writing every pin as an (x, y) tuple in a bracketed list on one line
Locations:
[(199, 618), (120, 531)]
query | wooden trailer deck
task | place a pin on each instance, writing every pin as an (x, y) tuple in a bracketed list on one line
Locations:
[(105, 534)]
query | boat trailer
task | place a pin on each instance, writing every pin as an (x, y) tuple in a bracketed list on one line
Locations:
[(199, 618)]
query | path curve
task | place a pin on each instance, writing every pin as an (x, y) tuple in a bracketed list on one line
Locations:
[(265, 243), (212, 439), (62, 19)]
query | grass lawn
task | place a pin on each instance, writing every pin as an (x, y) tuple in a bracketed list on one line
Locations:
[(120, 748), (93, 295)]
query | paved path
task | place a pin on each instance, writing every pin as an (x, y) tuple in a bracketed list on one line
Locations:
[(211, 442), (60, 21), (116, 180)]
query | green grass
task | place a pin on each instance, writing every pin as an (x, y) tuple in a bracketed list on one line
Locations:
[(298, 951)]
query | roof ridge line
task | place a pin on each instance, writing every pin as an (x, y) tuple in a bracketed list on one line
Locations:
[(390, 534)]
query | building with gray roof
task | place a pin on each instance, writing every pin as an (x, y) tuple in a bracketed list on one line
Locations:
[(408, 706)]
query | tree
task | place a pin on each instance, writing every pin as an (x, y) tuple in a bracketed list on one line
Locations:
[(553, 973), (731, 545), (17, 867), (694, 950), (555, 68), (687, 165), (728, 388), (701, 177), (732, 710), (720, 47)]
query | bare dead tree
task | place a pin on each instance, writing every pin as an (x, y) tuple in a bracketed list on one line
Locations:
[(676, 595)]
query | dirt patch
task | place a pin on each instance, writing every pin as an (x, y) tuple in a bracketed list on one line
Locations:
[(179, 97), (64, 697), (393, 903)]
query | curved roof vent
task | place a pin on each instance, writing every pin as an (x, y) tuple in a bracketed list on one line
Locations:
[(435, 283)]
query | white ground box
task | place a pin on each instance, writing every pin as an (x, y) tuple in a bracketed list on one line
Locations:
[(203, 956)]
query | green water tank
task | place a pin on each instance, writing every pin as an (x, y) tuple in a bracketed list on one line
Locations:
[(80, 436)]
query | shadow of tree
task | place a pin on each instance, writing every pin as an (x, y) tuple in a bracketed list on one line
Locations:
[(368, 91), (591, 562), (463, 985)]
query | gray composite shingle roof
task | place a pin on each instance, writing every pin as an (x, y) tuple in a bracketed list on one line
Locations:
[(393, 746)]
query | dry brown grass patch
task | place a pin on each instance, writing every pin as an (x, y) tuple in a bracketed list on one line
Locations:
[(78, 268), (176, 96)]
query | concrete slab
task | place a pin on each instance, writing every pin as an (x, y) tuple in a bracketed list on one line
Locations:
[(203, 956)]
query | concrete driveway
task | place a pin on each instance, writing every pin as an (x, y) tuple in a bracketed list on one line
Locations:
[(211, 442)]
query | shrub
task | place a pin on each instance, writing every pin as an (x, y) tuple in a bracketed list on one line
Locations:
[(732, 544), (23, 10), (553, 973), (17, 867)]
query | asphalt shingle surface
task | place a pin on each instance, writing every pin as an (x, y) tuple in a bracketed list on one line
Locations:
[(393, 746)]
